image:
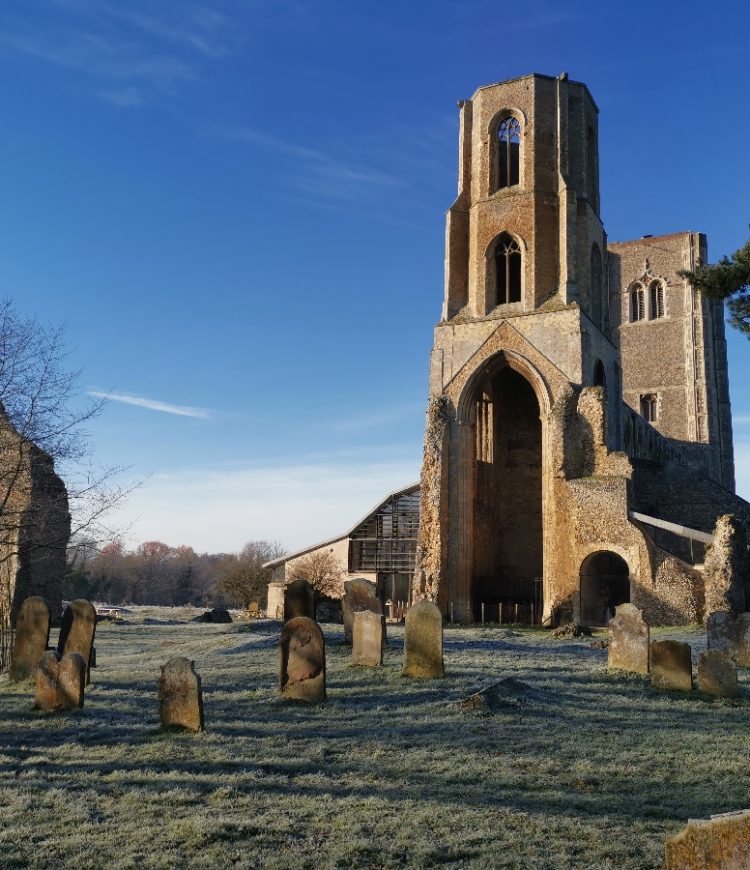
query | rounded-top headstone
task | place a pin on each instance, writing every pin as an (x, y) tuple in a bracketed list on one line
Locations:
[(180, 695), (302, 662), (423, 641), (359, 594), (78, 630), (299, 600), (717, 674), (629, 635), (32, 637)]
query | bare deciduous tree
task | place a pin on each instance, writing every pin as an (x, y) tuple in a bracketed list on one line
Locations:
[(322, 570), (242, 578)]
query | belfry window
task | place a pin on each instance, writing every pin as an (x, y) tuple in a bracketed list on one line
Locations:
[(656, 294), (649, 407), (637, 304), (508, 152), (508, 270)]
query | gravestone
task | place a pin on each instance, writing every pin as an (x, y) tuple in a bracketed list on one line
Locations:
[(302, 673), (32, 637), (719, 843), (671, 665), (299, 600), (367, 638), (730, 632), (629, 637), (359, 594), (423, 641), (77, 632), (60, 682), (180, 695), (717, 674)]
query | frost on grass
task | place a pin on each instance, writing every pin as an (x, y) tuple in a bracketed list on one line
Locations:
[(588, 770)]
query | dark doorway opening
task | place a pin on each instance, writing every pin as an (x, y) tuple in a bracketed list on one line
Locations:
[(507, 554), (605, 583)]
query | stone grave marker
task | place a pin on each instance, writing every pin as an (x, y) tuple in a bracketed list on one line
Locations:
[(77, 632), (299, 600), (423, 641), (719, 843), (671, 665), (31, 639), (60, 682), (359, 594), (302, 673), (180, 695), (629, 637), (717, 674), (730, 632), (367, 638)]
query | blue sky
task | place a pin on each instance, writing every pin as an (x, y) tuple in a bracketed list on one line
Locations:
[(236, 207)]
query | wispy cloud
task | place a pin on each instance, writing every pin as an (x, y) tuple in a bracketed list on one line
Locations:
[(153, 404), (316, 173)]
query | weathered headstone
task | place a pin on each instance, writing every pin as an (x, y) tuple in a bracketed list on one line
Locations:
[(629, 638), (302, 673), (671, 665), (719, 843), (359, 594), (77, 632), (32, 637), (299, 600), (367, 638), (717, 674), (730, 632), (60, 682), (423, 641), (180, 695)]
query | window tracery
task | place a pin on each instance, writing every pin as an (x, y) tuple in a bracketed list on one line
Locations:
[(507, 270), (508, 152)]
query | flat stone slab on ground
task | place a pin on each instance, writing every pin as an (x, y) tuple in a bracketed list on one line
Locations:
[(423, 641), (730, 632), (367, 640), (180, 695), (629, 637), (719, 843), (31, 638), (60, 682), (717, 674), (671, 665), (302, 664)]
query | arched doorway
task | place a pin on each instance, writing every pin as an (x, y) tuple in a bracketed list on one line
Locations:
[(605, 583), (507, 508)]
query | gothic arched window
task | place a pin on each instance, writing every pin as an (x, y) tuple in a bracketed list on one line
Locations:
[(596, 286), (656, 294), (637, 304), (508, 152), (649, 404), (507, 269), (600, 377)]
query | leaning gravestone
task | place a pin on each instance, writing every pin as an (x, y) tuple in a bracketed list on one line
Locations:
[(730, 632), (359, 594), (77, 632), (423, 641), (302, 672), (671, 665), (367, 638), (719, 843), (299, 600), (717, 674), (60, 682), (32, 637), (628, 646), (180, 695)]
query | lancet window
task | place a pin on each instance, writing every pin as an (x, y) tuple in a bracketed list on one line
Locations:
[(508, 152), (508, 269)]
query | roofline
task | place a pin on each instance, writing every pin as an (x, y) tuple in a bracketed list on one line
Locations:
[(645, 240), (298, 553), (536, 75)]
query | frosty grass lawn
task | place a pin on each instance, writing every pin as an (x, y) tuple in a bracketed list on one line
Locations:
[(588, 770)]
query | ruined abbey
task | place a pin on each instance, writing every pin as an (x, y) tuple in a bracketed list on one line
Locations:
[(578, 450)]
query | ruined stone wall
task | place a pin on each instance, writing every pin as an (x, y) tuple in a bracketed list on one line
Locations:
[(727, 568)]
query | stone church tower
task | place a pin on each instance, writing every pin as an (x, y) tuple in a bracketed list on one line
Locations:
[(578, 446)]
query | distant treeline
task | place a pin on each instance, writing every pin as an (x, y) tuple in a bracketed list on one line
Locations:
[(156, 573)]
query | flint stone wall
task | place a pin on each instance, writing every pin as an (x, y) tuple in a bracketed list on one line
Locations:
[(730, 632)]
